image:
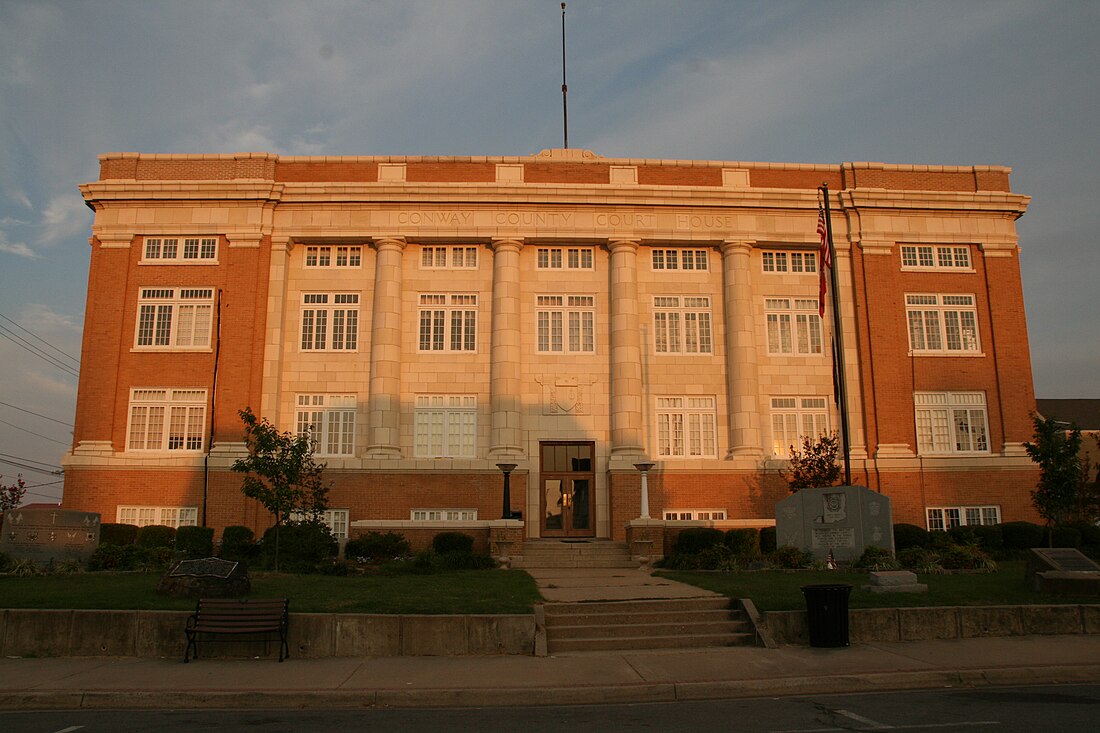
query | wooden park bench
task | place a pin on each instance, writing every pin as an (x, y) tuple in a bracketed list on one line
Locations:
[(227, 617)]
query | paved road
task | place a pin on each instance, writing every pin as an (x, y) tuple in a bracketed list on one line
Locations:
[(1061, 708)]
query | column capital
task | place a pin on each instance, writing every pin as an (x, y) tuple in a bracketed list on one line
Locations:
[(737, 245), (281, 243), (621, 244), (250, 240), (514, 244), (381, 243)]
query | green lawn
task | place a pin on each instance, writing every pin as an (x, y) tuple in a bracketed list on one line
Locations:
[(780, 590), (459, 592)]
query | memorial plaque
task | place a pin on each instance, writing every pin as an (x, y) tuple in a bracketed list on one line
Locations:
[(210, 577), (1061, 570), (211, 567), (42, 535), (1066, 558), (844, 520)]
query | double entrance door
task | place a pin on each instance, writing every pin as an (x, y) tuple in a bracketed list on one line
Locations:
[(568, 489)]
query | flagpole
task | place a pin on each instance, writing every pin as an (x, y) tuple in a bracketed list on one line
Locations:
[(564, 88), (838, 342)]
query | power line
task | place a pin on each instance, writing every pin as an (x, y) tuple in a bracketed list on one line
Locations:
[(29, 412), (35, 351), (48, 483), (31, 432), (40, 339), (24, 467), (30, 460)]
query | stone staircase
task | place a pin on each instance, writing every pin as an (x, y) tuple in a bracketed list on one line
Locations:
[(574, 554), (678, 623)]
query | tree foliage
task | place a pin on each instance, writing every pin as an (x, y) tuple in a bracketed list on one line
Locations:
[(12, 494), (814, 465), (1062, 492), (280, 473)]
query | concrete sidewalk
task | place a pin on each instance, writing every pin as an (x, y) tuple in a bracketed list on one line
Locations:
[(579, 678)]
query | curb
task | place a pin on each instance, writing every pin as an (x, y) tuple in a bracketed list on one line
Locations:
[(547, 696)]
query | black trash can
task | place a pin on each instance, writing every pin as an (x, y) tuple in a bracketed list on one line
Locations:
[(827, 606)]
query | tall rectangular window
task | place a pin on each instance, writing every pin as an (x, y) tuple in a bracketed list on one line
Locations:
[(566, 323), (794, 326), (795, 418), (166, 420), (330, 322), (330, 422), (448, 322), (682, 325), (942, 323), (686, 427), (935, 257), (180, 250), (445, 426), (174, 318), (448, 258), (951, 422)]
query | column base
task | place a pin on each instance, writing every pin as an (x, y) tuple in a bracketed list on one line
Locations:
[(384, 452)]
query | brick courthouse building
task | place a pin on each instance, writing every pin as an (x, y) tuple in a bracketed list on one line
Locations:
[(431, 317)]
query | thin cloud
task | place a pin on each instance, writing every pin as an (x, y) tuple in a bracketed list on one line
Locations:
[(16, 248), (65, 216)]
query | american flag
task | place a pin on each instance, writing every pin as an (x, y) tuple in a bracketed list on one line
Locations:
[(826, 257)]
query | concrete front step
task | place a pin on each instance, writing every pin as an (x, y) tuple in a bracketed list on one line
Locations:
[(692, 641), (650, 630), (704, 603), (654, 617), (584, 554)]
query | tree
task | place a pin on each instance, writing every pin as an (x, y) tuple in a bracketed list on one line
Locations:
[(1063, 471), (12, 495), (814, 465), (280, 472)]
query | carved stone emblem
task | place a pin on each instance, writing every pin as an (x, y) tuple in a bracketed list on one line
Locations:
[(564, 395)]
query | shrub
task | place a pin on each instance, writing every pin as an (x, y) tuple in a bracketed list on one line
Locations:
[(767, 540), (5, 562), (117, 557), (118, 534), (963, 535), (195, 541), (155, 535), (990, 537), (791, 558), (461, 561), (920, 560), (377, 547), (238, 543), (68, 566), (302, 545), (25, 568), (448, 542), (743, 542), (693, 540), (1021, 535), (939, 540), (876, 558), (910, 535), (966, 557), (1063, 536), (1090, 534)]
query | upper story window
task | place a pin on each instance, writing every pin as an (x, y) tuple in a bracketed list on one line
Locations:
[(445, 426), (951, 422), (566, 323), (564, 258), (329, 420), (448, 322), (168, 516), (681, 325), (795, 418), (686, 427), (448, 258), (330, 322), (177, 250), (942, 323), (935, 257), (166, 420), (794, 326), (339, 256), (174, 318), (944, 518), (679, 259), (782, 261)]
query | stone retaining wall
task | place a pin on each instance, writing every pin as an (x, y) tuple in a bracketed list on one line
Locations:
[(80, 633), (944, 622)]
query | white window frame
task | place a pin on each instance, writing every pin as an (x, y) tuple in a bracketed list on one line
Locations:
[(448, 322), (943, 518), (564, 258), (795, 417), (695, 515), (681, 259), (177, 250), (682, 324), (335, 519), (445, 426), (341, 256), (943, 257), (448, 257), (942, 324), (565, 324), (329, 321), (329, 420), (951, 423), (780, 261), (793, 326), (443, 515), (168, 516), (687, 427), (166, 420), (174, 319)]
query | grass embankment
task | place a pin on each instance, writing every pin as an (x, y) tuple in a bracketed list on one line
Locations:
[(780, 590), (459, 592)]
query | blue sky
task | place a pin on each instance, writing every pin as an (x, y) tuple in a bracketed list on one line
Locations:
[(1001, 83)]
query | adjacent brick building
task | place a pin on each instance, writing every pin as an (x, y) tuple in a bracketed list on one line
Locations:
[(431, 317)]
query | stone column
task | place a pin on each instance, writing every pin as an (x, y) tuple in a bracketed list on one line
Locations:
[(506, 353), (277, 340), (626, 352), (384, 402), (742, 388)]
